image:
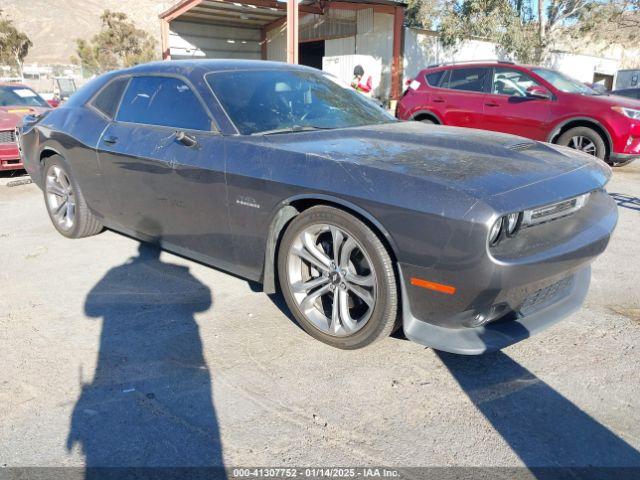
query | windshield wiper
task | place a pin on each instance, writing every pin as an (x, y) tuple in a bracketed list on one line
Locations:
[(292, 129)]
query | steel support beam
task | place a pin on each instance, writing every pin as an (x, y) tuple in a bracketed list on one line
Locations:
[(292, 31), (263, 43), (164, 39), (396, 61)]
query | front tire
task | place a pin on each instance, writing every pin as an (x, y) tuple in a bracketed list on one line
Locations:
[(337, 278), (65, 203), (584, 139)]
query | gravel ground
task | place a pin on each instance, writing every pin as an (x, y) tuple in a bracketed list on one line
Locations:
[(114, 354)]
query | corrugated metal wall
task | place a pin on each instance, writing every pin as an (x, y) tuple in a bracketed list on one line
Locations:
[(333, 24), (277, 44), (376, 40), (199, 40), (340, 46)]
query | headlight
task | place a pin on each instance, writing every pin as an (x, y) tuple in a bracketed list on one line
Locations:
[(513, 222), (628, 112), (494, 234), (507, 225)]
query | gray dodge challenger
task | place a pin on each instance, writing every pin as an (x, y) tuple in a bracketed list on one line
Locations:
[(468, 240)]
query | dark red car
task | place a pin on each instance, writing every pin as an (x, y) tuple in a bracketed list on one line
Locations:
[(16, 101), (534, 102)]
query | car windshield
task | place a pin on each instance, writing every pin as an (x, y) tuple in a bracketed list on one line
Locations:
[(277, 101), (563, 82), (20, 96)]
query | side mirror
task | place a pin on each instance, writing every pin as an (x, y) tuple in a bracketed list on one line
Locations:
[(536, 91)]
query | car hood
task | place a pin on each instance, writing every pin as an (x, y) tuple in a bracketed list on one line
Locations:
[(610, 99), (480, 163), (11, 116)]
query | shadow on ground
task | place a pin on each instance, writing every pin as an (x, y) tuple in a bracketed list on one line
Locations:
[(149, 403), (626, 201), (541, 426)]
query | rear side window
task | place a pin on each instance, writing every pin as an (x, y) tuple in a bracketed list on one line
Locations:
[(468, 79), (434, 79), (163, 101), (109, 97)]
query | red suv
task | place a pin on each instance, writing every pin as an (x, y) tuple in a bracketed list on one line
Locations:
[(533, 102)]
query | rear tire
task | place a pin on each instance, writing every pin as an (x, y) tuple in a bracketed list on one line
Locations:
[(328, 254), (584, 139), (65, 203), (428, 121)]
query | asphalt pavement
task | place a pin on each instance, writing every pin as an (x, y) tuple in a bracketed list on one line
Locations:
[(115, 354)]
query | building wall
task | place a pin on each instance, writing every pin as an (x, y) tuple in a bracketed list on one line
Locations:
[(374, 38), (199, 40), (582, 67), (277, 44)]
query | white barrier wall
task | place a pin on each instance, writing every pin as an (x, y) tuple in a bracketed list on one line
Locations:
[(422, 48)]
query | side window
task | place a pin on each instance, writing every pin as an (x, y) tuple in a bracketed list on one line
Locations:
[(513, 83), (163, 101), (468, 79), (434, 79), (107, 100)]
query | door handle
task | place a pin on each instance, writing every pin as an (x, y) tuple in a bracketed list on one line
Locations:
[(492, 104), (109, 139), (438, 100), (186, 139)]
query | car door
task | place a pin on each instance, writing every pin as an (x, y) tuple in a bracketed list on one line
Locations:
[(460, 96), (509, 109), (163, 166)]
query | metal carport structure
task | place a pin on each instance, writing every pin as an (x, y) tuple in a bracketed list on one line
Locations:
[(259, 19)]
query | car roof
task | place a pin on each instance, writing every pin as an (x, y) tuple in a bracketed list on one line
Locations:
[(491, 63), (186, 67)]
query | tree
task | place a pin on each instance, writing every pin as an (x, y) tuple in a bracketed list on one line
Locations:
[(422, 13), (14, 44), (119, 44), (523, 30), (617, 21)]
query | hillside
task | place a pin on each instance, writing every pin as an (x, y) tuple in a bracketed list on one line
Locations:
[(54, 25)]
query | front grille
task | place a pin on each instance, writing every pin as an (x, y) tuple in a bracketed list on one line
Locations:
[(7, 136), (552, 211), (546, 296)]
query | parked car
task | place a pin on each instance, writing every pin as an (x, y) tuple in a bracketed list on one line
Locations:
[(535, 102), (279, 174), (628, 92), (16, 101)]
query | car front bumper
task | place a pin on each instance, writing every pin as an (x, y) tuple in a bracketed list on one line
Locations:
[(492, 300), (10, 157), (502, 333), (623, 158)]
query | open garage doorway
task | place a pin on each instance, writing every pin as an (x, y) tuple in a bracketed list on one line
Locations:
[(311, 53)]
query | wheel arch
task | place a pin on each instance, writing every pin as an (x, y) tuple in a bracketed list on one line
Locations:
[(588, 122), (422, 114), (46, 151), (292, 207)]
